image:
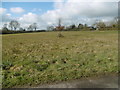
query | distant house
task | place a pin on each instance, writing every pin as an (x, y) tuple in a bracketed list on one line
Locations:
[(59, 28), (92, 28)]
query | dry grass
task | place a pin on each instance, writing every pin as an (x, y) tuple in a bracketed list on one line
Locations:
[(37, 58)]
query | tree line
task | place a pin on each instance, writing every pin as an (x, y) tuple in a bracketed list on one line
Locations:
[(14, 27), (98, 25)]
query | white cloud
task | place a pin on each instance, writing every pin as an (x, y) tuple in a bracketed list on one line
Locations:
[(4, 16), (17, 10), (92, 9), (8, 14), (71, 13), (36, 10), (29, 18), (81, 12), (2, 10), (7, 18)]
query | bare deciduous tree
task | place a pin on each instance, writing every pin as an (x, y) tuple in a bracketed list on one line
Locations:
[(100, 25), (59, 28), (34, 25), (14, 25), (5, 27), (30, 27), (50, 28)]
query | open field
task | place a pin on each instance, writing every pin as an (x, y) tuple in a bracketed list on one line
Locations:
[(38, 58)]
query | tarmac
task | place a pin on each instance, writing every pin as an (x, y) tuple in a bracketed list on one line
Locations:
[(109, 81)]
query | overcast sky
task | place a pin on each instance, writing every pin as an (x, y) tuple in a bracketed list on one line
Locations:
[(47, 13)]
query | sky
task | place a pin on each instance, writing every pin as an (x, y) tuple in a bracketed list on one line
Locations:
[(47, 13)]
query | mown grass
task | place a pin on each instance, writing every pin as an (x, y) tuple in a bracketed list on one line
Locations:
[(38, 58)]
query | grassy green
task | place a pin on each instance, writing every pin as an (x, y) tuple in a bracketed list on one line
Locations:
[(38, 58)]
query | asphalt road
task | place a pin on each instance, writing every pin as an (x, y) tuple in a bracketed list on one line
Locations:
[(109, 81)]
